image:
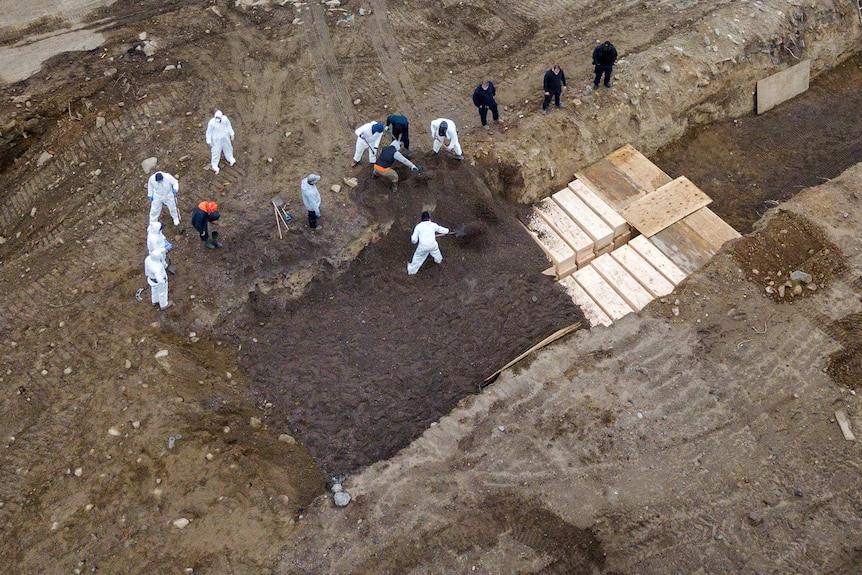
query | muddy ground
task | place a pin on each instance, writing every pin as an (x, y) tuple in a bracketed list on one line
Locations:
[(286, 361)]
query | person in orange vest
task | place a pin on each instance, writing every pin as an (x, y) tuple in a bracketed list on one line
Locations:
[(202, 216)]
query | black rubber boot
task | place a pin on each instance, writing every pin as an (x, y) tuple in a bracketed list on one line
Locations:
[(217, 243), (209, 244)]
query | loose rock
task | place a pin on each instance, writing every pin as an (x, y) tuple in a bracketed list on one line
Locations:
[(341, 499), (181, 523), (148, 164)]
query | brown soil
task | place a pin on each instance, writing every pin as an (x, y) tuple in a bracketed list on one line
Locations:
[(287, 361)]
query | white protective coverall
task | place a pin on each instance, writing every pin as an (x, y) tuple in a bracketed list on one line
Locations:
[(157, 278), (156, 240), (163, 192), (450, 134), (368, 137), (219, 136), (311, 195), (425, 236)]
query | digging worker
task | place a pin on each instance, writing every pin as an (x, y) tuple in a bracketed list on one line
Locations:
[(367, 138), (442, 130), (399, 129), (155, 269), (311, 199), (604, 57), (483, 98), (554, 82), (425, 238), (386, 160), (219, 137), (162, 188), (204, 214)]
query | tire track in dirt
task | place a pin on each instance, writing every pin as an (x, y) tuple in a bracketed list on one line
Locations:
[(383, 37), (93, 144), (565, 548), (320, 46)]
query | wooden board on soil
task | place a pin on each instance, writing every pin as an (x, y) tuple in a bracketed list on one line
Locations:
[(642, 271), (611, 184), (643, 173), (594, 314), (622, 281), (665, 206), (602, 293), (566, 227), (646, 249)]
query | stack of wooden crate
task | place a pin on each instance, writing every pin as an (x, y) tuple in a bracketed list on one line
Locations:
[(624, 233)]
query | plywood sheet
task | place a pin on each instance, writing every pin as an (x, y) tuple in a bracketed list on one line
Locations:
[(594, 314), (610, 184), (714, 230), (559, 252), (642, 173), (665, 206), (782, 86), (640, 269), (609, 215), (601, 233), (602, 293), (647, 250), (622, 281), (565, 226)]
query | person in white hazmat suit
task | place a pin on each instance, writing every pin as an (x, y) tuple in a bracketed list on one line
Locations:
[(155, 269), (162, 188), (156, 240), (442, 130), (311, 199), (367, 138), (219, 137), (425, 238)]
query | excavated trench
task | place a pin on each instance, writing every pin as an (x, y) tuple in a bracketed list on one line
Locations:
[(752, 163), (415, 346)]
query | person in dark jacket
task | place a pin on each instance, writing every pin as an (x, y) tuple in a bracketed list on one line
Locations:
[(555, 81), (604, 57), (483, 98), (202, 215), (399, 129), (385, 165)]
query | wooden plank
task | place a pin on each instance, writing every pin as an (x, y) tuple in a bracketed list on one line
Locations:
[(557, 250), (609, 215), (782, 86), (610, 184), (602, 293), (684, 246), (657, 259), (714, 230), (565, 226), (623, 239), (594, 314), (844, 424), (665, 206), (642, 173), (623, 283), (600, 232), (640, 269)]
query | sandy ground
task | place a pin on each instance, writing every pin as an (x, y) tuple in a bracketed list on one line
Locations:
[(617, 450)]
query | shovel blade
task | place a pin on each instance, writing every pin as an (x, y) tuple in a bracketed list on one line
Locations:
[(459, 231)]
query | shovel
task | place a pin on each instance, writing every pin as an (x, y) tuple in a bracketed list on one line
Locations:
[(457, 232)]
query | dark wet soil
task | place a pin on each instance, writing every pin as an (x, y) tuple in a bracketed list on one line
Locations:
[(364, 363)]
